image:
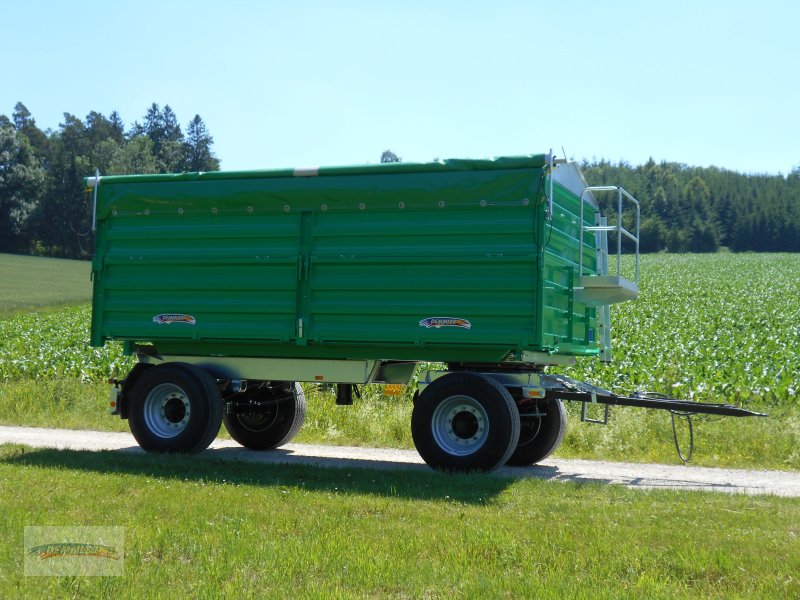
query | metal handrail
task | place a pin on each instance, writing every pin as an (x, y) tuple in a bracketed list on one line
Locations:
[(552, 162), (94, 182), (620, 230)]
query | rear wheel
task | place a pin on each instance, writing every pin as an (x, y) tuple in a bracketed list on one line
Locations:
[(465, 422), (542, 427), (175, 407), (267, 416)]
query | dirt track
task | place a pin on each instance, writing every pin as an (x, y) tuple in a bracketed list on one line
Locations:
[(778, 483)]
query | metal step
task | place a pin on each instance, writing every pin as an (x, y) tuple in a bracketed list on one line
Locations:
[(599, 290)]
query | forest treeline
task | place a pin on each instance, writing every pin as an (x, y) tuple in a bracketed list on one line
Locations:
[(44, 206), (700, 209), (43, 203)]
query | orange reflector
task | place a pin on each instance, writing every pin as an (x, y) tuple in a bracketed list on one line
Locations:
[(393, 389), (534, 392), (319, 378)]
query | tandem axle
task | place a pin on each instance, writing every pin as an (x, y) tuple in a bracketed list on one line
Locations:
[(469, 417)]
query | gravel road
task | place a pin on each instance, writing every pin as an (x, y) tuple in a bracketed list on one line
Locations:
[(646, 476)]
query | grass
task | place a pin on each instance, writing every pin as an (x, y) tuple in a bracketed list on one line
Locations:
[(234, 530), (30, 282)]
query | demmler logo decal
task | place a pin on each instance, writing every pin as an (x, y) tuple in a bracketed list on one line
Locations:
[(49, 551), (169, 318), (75, 550), (439, 322)]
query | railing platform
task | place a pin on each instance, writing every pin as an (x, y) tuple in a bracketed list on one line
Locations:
[(598, 290)]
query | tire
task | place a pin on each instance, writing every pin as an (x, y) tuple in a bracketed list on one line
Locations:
[(541, 435), (465, 422), (175, 407), (270, 426)]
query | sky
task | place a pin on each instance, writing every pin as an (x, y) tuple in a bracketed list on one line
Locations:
[(303, 83)]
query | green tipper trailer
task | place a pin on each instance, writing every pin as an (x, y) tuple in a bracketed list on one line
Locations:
[(230, 288)]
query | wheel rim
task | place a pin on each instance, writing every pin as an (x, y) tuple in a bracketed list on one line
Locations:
[(460, 425), (166, 410), (530, 427), (260, 421)]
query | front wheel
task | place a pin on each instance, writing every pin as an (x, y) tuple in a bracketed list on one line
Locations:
[(465, 422), (175, 407), (266, 417)]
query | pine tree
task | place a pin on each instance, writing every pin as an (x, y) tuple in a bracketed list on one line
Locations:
[(197, 147), (117, 126)]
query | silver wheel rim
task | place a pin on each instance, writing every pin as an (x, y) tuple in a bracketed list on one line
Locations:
[(460, 425), (166, 410)]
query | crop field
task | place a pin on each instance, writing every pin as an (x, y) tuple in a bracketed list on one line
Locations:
[(720, 327), (717, 328)]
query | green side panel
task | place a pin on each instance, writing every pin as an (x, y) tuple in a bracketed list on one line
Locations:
[(240, 274), (351, 263), (376, 275), (568, 327)]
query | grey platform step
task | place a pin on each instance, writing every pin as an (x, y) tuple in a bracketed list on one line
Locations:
[(599, 290)]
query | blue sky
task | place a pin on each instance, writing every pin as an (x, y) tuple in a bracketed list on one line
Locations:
[(322, 83)]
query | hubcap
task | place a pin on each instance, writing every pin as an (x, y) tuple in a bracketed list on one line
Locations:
[(166, 410), (259, 421), (460, 425)]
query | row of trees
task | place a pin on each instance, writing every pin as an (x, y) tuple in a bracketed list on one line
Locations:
[(697, 209), (43, 204)]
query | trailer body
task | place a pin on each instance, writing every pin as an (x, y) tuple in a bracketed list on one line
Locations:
[(452, 262)]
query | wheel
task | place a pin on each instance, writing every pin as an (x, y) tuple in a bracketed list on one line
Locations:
[(175, 407), (465, 422), (273, 416), (540, 435)]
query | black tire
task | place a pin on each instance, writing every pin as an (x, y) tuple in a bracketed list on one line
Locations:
[(465, 422), (175, 407), (541, 435), (272, 425)]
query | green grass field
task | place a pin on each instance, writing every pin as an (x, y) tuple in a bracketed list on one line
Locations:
[(29, 282), (233, 530)]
